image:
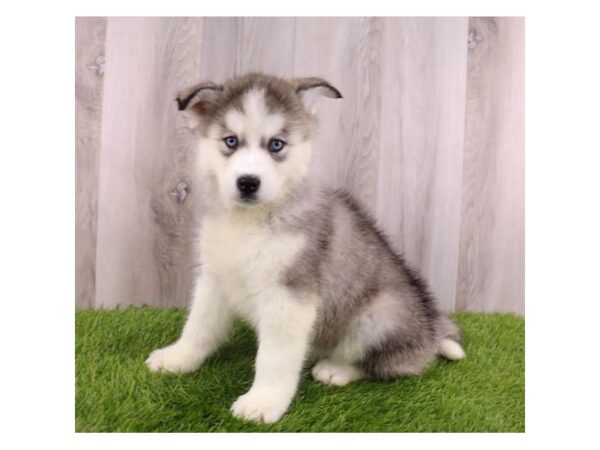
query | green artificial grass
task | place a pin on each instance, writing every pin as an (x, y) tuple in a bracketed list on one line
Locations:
[(116, 392)]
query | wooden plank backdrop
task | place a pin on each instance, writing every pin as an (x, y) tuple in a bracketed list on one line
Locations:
[(491, 272), (90, 34), (429, 136)]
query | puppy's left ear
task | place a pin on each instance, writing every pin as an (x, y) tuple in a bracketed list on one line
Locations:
[(198, 102), (311, 89)]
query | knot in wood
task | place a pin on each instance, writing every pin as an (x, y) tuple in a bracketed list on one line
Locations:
[(474, 38), (180, 192), (98, 65)]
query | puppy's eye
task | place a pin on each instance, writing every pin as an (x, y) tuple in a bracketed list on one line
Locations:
[(231, 142), (276, 145)]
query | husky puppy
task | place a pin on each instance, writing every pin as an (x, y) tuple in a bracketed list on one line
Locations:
[(305, 266)]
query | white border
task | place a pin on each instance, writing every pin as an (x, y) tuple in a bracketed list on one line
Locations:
[(37, 179)]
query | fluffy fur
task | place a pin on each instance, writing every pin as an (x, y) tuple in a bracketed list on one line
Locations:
[(306, 266)]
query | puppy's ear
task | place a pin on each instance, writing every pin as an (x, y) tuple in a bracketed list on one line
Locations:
[(311, 89), (198, 101)]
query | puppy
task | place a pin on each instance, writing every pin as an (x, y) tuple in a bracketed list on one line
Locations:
[(304, 265)]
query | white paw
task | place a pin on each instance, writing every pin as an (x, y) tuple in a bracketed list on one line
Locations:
[(260, 406), (337, 374), (176, 358)]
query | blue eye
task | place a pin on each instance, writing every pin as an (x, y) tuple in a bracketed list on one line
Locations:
[(231, 142), (276, 145)]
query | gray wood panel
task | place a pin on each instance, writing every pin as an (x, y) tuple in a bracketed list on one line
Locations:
[(90, 34), (145, 220), (346, 53), (491, 265), (419, 196), (220, 48), (267, 45), (428, 137)]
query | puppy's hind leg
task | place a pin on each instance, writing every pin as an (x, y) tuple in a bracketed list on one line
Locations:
[(341, 366), (207, 326)]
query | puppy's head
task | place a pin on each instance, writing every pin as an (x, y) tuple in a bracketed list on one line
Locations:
[(255, 133)]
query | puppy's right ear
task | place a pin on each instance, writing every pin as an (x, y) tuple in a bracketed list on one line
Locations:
[(198, 101)]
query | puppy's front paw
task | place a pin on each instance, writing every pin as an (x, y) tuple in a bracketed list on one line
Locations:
[(260, 406), (176, 358)]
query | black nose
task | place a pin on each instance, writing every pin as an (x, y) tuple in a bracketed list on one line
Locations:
[(248, 184)]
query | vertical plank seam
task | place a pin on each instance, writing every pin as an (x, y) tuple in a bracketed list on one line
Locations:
[(294, 47), (456, 305), (100, 165)]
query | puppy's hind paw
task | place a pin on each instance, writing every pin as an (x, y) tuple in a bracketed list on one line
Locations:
[(337, 374)]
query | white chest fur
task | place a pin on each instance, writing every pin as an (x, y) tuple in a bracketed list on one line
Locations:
[(247, 258)]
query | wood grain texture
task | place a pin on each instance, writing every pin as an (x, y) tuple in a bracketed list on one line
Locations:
[(346, 52), (419, 186), (90, 34), (173, 198), (429, 136), (145, 217), (491, 266), (267, 45), (220, 48)]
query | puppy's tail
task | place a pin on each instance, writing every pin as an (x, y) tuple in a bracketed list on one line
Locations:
[(449, 340), (451, 349)]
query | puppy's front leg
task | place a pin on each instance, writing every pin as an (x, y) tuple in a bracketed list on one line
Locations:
[(284, 331), (207, 326)]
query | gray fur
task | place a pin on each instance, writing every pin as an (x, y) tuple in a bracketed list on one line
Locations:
[(348, 262), (280, 95)]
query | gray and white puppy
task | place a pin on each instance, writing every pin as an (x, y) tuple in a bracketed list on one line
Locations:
[(304, 265)]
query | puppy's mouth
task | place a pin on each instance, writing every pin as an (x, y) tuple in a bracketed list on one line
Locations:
[(248, 200)]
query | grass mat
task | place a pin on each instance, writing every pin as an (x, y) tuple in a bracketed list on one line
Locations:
[(116, 392)]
